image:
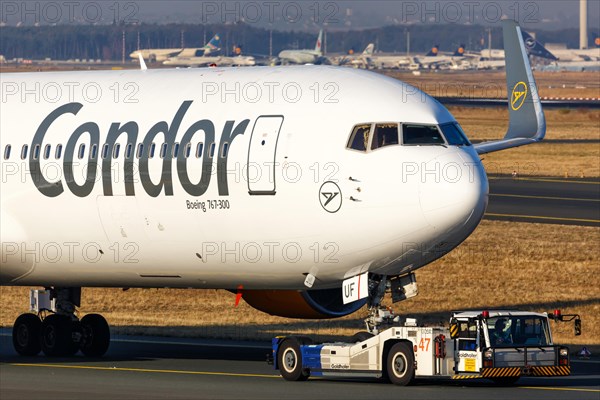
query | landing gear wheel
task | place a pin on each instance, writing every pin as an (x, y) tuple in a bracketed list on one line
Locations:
[(508, 381), (57, 336), (400, 364), (290, 361), (26, 335), (95, 335), (360, 336)]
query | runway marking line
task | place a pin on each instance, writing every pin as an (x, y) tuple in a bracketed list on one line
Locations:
[(542, 197), (542, 217), (164, 371), (179, 372), (559, 388), (546, 180)]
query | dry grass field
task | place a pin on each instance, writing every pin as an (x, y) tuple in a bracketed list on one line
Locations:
[(493, 84), (561, 124), (534, 267), (548, 158)]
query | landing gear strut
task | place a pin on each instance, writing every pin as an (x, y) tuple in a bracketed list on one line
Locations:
[(401, 287), (378, 285), (55, 328)]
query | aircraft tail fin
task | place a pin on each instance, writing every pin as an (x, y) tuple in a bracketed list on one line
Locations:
[(527, 123), (460, 51), (434, 51), (369, 50), (536, 48), (212, 45), (318, 45)]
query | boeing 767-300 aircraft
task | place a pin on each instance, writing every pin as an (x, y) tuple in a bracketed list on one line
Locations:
[(310, 190)]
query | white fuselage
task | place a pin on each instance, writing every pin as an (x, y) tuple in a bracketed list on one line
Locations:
[(250, 210), (207, 60), (300, 56), (577, 54), (158, 55)]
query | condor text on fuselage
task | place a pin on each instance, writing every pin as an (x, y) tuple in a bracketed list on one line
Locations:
[(146, 147)]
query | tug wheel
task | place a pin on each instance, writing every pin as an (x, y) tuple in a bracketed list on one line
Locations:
[(290, 361)]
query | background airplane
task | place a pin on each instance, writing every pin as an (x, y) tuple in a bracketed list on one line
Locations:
[(305, 56), (220, 61), (362, 60), (535, 48), (161, 55)]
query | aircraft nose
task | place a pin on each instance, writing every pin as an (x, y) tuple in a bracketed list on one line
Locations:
[(453, 190)]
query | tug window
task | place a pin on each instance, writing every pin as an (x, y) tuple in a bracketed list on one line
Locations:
[(384, 135), (421, 134), (359, 139), (454, 134)]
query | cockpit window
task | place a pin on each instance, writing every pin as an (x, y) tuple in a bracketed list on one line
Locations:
[(384, 135), (454, 134), (359, 140), (421, 134)]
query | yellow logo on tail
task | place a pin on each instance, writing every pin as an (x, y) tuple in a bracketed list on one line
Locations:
[(519, 93)]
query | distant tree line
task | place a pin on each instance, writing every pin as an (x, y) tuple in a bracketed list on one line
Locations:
[(104, 42)]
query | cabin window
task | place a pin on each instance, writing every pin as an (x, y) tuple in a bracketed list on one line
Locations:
[(128, 151), (81, 150), (24, 152), (454, 134), (199, 150), (413, 134), (163, 150), (47, 152), (359, 139), (212, 150), (36, 152), (140, 150), (152, 150), (225, 149), (105, 151), (94, 151), (384, 135), (58, 151), (188, 150), (175, 150), (116, 150), (7, 152)]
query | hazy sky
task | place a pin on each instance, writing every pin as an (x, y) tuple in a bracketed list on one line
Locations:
[(303, 15)]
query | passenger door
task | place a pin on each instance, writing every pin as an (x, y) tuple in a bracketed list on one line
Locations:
[(261, 155)]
